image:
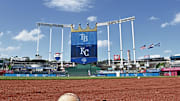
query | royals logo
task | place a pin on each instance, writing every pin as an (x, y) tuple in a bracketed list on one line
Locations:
[(84, 51)]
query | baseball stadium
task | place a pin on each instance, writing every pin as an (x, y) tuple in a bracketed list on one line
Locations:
[(151, 78), (81, 73)]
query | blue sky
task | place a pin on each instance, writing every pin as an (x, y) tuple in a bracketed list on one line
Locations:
[(156, 21)]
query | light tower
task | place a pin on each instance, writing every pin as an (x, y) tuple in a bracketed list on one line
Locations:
[(121, 49), (50, 43)]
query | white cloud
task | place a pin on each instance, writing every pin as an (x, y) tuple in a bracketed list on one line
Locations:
[(1, 34), (102, 43), (69, 5), (92, 18), (153, 18), (24, 35), (175, 21), (167, 51), (9, 48), (164, 24)]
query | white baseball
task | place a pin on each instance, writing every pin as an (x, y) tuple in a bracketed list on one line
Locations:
[(69, 97)]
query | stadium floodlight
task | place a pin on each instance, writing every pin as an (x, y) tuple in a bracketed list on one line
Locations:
[(119, 22), (52, 25)]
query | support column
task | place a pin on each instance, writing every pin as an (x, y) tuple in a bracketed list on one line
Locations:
[(50, 34), (134, 51), (109, 54), (62, 49), (121, 50), (37, 51)]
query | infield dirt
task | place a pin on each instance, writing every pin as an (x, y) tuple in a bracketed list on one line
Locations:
[(132, 89)]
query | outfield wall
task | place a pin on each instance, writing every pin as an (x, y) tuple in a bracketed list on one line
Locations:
[(101, 74), (33, 75), (128, 74)]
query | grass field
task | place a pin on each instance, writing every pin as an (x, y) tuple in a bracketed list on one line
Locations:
[(68, 78)]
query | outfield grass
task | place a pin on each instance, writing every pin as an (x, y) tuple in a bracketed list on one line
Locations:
[(70, 78)]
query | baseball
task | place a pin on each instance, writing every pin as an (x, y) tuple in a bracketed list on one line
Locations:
[(69, 97), (138, 77)]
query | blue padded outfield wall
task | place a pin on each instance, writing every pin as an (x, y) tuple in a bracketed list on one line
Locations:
[(84, 45), (128, 74), (101, 74), (33, 75)]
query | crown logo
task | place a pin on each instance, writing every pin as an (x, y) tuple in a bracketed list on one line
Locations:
[(88, 29)]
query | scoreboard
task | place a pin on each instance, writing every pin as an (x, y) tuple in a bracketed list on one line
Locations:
[(84, 45)]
